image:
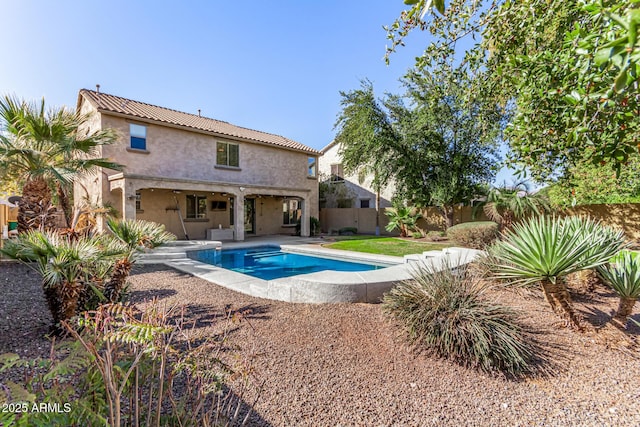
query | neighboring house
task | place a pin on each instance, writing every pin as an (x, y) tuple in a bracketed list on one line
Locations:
[(200, 177), (357, 193)]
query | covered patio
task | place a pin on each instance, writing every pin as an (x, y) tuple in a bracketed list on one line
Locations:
[(203, 210)]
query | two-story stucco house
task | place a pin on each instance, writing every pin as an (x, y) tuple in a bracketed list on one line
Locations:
[(361, 193), (202, 178)]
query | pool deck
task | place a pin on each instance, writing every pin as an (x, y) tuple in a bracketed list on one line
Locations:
[(321, 287)]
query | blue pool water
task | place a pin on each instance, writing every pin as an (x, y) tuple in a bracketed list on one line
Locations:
[(269, 262)]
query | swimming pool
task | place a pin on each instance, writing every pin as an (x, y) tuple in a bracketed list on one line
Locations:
[(270, 262)]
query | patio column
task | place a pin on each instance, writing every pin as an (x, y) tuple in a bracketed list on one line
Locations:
[(129, 204), (238, 216), (305, 229)]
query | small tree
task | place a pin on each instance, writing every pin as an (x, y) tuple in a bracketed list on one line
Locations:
[(44, 150), (403, 218), (69, 266), (545, 250), (623, 275), (366, 137), (508, 204), (131, 237)]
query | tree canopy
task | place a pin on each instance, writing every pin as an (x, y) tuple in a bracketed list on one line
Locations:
[(44, 149), (569, 71), (437, 144)]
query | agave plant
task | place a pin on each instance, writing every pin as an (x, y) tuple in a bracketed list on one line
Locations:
[(623, 275), (68, 267), (545, 250), (131, 236), (402, 218)]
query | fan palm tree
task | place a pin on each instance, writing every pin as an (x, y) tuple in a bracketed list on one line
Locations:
[(44, 150), (508, 204), (545, 250), (402, 218), (132, 236), (69, 267), (623, 275)]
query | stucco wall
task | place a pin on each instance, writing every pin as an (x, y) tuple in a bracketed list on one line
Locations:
[(177, 153), (625, 216), (160, 206), (361, 190), (184, 160), (364, 219)]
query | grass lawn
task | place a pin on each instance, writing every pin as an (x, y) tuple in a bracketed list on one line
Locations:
[(384, 245)]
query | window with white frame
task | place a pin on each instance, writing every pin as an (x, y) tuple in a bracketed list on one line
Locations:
[(196, 206), (227, 154), (138, 136), (290, 212)]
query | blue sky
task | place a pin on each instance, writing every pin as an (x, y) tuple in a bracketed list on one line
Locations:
[(275, 66)]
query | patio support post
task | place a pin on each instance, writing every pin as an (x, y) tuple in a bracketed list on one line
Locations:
[(238, 217), (129, 204), (304, 219)]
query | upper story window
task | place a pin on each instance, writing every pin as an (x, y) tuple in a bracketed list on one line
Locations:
[(196, 206), (312, 167), (227, 154), (337, 172), (138, 135), (365, 203)]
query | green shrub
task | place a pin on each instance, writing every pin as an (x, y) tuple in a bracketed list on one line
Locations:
[(348, 231), (436, 236), (446, 313), (475, 235), (314, 227)]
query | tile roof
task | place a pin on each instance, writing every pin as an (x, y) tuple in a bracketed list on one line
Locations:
[(110, 103)]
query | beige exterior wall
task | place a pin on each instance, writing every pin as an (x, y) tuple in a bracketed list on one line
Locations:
[(625, 216), (159, 206), (365, 219), (185, 161), (361, 190), (182, 154)]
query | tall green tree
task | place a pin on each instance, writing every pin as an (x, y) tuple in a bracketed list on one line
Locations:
[(449, 140), (368, 141), (568, 69), (45, 149), (587, 184), (437, 144)]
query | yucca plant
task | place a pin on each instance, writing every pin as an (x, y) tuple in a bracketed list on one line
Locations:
[(545, 250), (131, 236), (623, 275), (449, 313), (68, 267)]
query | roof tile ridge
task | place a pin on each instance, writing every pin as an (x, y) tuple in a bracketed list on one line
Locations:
[(98, 95), (156, 106)]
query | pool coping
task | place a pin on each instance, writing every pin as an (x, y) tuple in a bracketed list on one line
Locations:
[(321, 287)]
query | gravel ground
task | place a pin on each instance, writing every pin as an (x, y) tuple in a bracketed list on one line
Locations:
[(345, 365)]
